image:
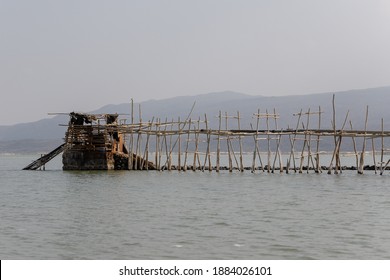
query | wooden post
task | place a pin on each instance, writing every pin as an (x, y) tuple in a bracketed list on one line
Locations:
[(309, 153), (338, 158), (240, 142), (292, 153), (382, 149), (354, 148), (170, 148), (255, 138), (219, 141), (166, 144), (277, 153), (387, 163), (268, 143), (188, 141), (157, 154), (146, 153), (131, 144), (208, 144), (318, 166), (336, 152), (196, 149), (137, 164), (228, 144), (179, 147), (278, 145), (334, 135), (234, 154), (373, 154), (304, 144), (207, 155), (302, 157), (361, 163)]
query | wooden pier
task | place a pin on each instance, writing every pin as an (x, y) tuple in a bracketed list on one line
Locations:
[(193, 144)]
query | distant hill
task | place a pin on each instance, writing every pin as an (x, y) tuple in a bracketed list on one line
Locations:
[(378, 100)]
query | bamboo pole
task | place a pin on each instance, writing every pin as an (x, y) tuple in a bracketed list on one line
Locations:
[(278, 145), (234, 154), (179, 147), (146, 153), (228, 145), (310, 155), (338, 158), (292, 153), (208, 144), (333, 157), (131, 144), (170, 149), (207, 155), (164, 145), (336, 152), (180, 130), (361, 163), (157, 152), (240, 142), (268, 144), (288, 160), (257, 149), (373, 153), (382, 149), (277, 153), (255, 140), (219, 141), (303, 147), (196, 148), (334, 135), (354, 148), (164, 140), (308, 142), (318, 166), (139, 139), (387, 163), (188, 141)]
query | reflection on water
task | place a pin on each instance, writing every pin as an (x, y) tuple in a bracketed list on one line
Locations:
[(191, 215)]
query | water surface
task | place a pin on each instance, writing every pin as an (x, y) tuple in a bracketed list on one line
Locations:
[(57, 214)]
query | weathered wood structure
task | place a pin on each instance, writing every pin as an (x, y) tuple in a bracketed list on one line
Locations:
[(95, 142), (103, 142)]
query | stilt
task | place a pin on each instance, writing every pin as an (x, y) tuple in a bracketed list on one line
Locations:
[(188, 141), (228, 145), (361, 164), (131, 144), (292, 153), (318, 166), (354, 148), (383, 144), (255, 140), (268, 143), (240, 142), (157, 152), (179, 147), (373, 153), (219, 141)]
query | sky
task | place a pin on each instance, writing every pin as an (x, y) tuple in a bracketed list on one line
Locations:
[(79, 55)]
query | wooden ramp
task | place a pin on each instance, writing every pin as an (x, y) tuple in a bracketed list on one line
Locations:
[(45, 158)]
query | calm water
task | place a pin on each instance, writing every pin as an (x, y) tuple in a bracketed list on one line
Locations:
[(193, 215)]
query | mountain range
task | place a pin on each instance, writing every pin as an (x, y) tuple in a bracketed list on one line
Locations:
[(45, 134)]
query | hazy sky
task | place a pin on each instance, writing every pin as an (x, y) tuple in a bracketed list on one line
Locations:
[(59, 56)]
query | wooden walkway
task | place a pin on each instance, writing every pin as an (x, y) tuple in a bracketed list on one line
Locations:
[(193, 144), (45, 158)]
